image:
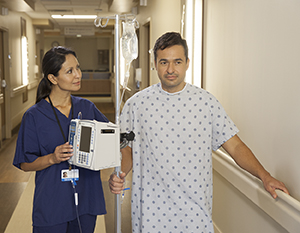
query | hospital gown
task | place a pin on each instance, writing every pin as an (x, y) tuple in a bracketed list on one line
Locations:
[(53, 199), (172, 157)]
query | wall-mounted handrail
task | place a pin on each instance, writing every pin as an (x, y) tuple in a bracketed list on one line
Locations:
[(18, 90), (284, 209)]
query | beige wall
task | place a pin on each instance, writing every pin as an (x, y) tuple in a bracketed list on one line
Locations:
[(251, 65), (233, 212), (13, 98), (50, 39), (163, 16)]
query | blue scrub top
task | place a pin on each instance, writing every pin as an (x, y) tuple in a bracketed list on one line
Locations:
[(39, 135)]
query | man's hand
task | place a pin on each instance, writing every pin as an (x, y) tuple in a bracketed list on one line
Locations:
[(271, 184), (116, 184), (244, 157)]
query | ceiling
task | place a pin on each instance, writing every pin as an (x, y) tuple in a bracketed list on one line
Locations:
[(41, 10)]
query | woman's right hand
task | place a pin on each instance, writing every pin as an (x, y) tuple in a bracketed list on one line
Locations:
[(62, 153)]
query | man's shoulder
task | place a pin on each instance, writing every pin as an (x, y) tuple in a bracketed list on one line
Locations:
[(195, 90), (148, 91)]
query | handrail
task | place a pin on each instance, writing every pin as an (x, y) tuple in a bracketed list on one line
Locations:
[(18, 90), (284, 209), (23, 88), (288, 199)]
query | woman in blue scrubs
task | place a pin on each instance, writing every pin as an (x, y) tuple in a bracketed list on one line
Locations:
[(42, 147)]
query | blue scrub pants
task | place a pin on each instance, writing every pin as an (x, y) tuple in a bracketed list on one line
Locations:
[(87, 223)]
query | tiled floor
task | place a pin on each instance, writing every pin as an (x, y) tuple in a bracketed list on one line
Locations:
[(13, 182)]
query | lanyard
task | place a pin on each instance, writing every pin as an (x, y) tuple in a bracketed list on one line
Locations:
[(62, 132)]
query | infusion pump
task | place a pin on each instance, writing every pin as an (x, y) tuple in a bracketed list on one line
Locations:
[(96, 144)]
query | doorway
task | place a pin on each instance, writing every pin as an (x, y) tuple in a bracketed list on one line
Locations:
[(5, 64), (145, 54), (2, 88)]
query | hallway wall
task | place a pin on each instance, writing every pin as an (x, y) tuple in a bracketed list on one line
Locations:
[(15, 106), (163, 16), (252, 66)]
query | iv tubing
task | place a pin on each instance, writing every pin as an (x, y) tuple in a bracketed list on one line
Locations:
[(125, 83), (76, 204)]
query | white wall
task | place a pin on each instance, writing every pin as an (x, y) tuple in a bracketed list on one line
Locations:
[(251, 64)]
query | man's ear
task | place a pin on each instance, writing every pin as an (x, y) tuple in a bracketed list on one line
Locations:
[(52, 79), (187, 63)]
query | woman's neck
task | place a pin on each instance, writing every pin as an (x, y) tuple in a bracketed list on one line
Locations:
[(61, 102), (59, 99)]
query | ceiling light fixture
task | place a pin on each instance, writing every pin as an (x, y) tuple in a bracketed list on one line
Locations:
[(74, 16)]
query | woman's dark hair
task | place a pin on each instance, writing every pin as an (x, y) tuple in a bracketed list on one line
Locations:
[(51, 64), (169, 39)]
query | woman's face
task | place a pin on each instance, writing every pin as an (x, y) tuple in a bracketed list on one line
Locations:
[(69, 76)]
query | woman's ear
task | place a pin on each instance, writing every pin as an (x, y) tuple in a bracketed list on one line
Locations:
[(52, 79)]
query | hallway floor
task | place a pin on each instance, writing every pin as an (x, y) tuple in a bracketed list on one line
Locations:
[(13, 182)]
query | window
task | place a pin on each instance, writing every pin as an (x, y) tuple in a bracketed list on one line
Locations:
[(24, 52), (192, 31)]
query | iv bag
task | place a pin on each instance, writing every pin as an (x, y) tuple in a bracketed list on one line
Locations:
[(129, 41)]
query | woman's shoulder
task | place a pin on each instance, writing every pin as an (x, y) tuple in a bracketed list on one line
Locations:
[(80, 100), (41, 106), (87, 108), (37, 112)]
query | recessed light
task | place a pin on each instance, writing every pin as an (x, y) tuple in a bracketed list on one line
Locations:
[(74, 16)]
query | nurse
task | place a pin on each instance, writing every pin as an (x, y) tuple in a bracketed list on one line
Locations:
[(42, 147)]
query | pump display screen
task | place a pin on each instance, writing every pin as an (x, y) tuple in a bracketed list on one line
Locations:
[(85, 139)]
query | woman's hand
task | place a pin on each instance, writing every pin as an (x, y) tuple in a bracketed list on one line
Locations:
[(61, 153)]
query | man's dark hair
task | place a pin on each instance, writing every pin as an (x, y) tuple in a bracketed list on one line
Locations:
[(169, 39)]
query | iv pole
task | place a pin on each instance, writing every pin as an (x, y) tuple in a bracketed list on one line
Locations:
[(117, 99)]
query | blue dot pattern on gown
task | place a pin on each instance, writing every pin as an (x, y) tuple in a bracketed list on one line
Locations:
[(172, 157)]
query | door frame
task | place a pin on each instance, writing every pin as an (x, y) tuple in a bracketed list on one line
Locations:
[(6, 74), (145, 61)]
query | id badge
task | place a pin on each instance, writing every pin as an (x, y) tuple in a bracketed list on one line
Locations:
[(68, 175)]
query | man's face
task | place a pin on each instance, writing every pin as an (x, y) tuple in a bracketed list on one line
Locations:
[(171, 66)]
